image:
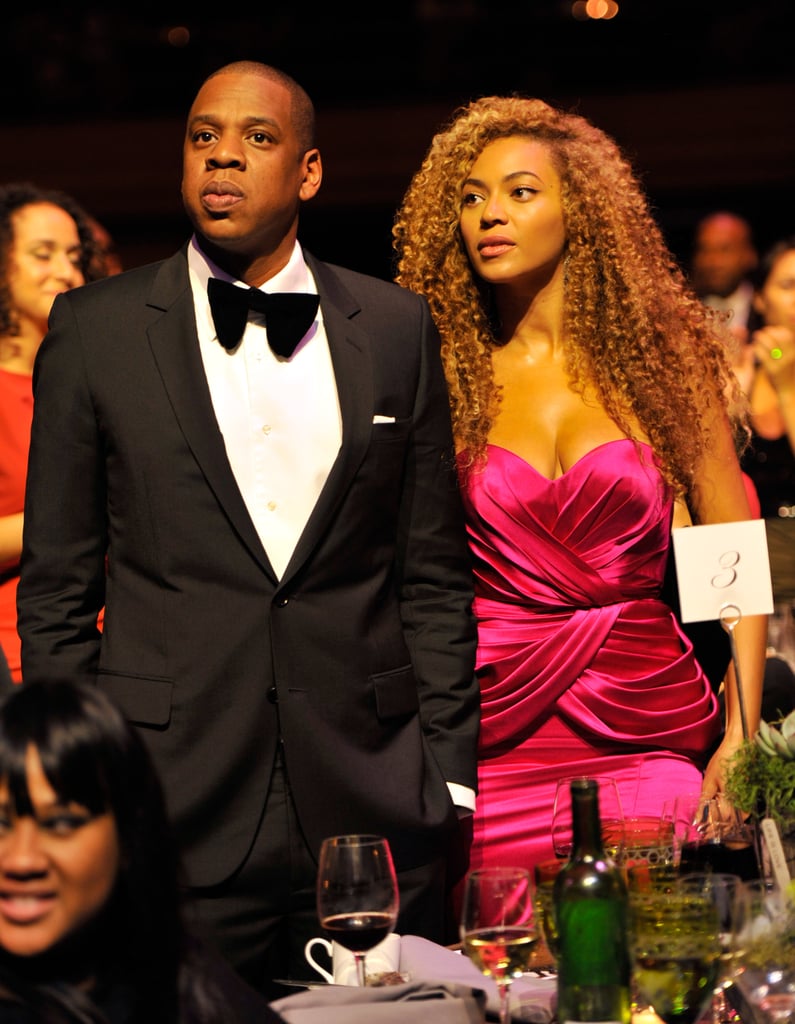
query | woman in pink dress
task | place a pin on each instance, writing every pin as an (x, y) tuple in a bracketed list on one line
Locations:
[(587, 387), (46, 246)]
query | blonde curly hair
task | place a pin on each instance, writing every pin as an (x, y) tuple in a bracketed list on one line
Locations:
[(635, 331)]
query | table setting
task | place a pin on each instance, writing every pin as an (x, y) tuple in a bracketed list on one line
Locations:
[(706, 948), (361, 970), (461, 993)]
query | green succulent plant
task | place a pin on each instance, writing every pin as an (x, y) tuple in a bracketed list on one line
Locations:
[(760, 776)]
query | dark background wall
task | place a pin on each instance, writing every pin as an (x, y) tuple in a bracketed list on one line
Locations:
[(700, 95)]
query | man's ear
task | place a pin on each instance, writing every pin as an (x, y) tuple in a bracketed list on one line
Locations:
[(313, 174)]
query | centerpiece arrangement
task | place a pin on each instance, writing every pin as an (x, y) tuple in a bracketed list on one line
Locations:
[(761, 779)]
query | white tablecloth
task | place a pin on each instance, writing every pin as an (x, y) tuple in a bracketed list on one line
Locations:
[(462, 994)]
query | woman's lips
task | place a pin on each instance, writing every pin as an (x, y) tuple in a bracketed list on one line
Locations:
[(494, 246), (25, 908)]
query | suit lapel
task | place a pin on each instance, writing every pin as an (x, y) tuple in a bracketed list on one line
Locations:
[(351, 359), (175, 346)]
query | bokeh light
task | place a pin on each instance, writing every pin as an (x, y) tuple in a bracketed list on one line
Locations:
[(596, 10)]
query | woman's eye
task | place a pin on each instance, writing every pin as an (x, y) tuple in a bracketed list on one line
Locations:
[(64, 824)]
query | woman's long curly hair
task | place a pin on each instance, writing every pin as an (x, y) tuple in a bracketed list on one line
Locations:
[(15, 196), (634, 330)]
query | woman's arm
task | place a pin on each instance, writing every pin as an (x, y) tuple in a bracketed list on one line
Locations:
[(719, 496), (10, 539)]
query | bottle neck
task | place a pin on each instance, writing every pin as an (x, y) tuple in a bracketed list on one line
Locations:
[(586, 824)]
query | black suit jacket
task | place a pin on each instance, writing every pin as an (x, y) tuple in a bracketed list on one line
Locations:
[(361, 657)]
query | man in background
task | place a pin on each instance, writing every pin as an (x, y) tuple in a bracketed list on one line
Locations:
[(724, 256)]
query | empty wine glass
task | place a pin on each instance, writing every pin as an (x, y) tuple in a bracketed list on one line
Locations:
[(611, 814), (498, 927), (357, 893)]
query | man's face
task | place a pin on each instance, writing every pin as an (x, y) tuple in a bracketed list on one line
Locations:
[(244, 172), (723, 256)]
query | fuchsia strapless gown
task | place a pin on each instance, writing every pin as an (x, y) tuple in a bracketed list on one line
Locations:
[(583, 669)]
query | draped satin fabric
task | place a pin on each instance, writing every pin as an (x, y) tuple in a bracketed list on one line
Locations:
[(583, 669)]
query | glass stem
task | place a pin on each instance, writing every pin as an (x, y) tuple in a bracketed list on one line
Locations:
[(503, 988), (361, 973), (721, 1011)]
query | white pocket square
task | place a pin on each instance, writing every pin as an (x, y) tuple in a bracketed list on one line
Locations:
[(383, 419)]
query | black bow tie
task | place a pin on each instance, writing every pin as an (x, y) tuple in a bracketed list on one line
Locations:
[(288, 315)]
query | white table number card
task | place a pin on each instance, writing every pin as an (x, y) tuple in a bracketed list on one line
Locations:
[(723, 564)]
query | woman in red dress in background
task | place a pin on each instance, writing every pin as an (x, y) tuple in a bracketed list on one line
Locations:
[(46, 247)]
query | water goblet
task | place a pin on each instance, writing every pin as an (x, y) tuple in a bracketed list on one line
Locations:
[(674, 938), (498, 926), (648, 839), (357, 893), (544, 874), (721, 888)]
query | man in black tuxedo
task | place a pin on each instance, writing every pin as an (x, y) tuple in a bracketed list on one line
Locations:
[(277, 539)]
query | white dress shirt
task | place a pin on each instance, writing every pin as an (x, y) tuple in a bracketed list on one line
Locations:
[(738, 304), (269, 408)]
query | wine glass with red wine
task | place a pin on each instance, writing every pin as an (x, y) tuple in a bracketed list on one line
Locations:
[(357, 893), (712, 835)]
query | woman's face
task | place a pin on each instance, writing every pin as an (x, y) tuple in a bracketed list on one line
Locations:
[(44, 261), (58, 867), (511, 215), (776, 300)]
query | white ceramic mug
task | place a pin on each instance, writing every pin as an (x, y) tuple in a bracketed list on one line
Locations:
[(381, 959)]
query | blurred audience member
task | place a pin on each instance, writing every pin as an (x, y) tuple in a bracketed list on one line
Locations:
[(724, 255), (770, 460), (90, 919), (107, 261), (46, 247)]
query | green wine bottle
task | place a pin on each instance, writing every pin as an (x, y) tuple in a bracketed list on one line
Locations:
[(591, 915)]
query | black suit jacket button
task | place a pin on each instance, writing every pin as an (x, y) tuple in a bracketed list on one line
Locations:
[(273, 695), (281, 601)]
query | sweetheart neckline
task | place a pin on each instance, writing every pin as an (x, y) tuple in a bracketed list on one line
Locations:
[(585, 455)]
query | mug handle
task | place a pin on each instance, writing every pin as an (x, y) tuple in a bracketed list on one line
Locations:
[(326, 975)]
